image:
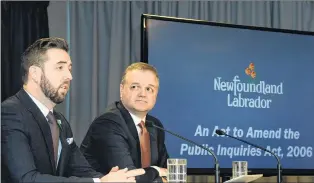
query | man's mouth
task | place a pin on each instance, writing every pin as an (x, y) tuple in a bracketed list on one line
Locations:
[(141, 101), (65, 87)]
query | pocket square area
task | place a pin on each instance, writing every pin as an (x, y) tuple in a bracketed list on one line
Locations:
[(69, 140)]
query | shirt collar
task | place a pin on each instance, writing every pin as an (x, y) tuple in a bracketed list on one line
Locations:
[(41, 106), (136, 119)]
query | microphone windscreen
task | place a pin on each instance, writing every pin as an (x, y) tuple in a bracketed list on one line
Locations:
[(149, 123), (220, 132)]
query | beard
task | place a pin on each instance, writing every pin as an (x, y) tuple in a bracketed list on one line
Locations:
[(51, 92)]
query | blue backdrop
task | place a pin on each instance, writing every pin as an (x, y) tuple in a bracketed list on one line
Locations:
[(216, 77)]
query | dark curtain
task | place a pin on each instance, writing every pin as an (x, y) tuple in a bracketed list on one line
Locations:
[(21, 24)]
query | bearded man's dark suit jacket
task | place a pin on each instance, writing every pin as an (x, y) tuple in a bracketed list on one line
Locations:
[(27, 148), (112, 140)]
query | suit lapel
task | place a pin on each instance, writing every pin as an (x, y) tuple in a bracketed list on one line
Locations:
[(41, 121), (132, 128), (65, 147), (153, 144), (129, 121)]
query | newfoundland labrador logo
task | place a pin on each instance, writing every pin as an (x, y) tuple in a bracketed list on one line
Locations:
[(250, 71), (238, 90)]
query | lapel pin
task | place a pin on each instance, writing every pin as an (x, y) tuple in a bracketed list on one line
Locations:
[(59, 124)]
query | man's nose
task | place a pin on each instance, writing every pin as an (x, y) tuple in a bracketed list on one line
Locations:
[(68, 76), (142, 92)]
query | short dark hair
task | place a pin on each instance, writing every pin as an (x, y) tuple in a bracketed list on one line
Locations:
[(35, 53)]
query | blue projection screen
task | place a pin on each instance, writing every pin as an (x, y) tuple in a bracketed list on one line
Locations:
[(256, 84)]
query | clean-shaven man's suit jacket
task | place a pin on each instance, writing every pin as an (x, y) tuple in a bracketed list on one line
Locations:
[(112, 140), (27, 148)]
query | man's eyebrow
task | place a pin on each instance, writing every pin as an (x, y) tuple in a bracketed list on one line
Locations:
[(152, 85), (63, 62), (135, 83)]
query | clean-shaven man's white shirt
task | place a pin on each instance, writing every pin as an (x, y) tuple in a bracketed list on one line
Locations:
[(45, 112), (137, 121)]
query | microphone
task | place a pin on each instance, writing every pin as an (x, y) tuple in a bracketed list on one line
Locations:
[(279, 178), (217, 177)]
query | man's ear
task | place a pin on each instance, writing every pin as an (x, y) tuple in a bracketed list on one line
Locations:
[(34, 73), (121, 90)]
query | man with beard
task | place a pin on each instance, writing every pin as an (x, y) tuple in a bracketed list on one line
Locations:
[(36, 141)]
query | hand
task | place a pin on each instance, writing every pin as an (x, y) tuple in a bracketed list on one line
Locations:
[(164, 180), (163, 172), (114, 169), (135, 172), (123, 175)]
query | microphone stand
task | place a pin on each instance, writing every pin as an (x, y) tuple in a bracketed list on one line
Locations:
[(279, 176), (217, 176)]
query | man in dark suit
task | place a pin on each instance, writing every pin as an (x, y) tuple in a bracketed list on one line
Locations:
[(120, 137), (36, 141)]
